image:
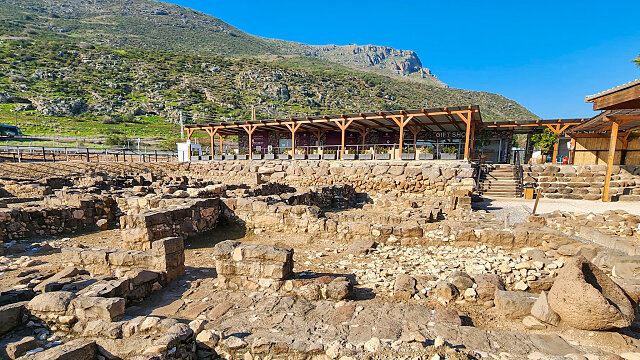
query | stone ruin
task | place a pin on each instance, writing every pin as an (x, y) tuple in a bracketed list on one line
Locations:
[(311, 260)]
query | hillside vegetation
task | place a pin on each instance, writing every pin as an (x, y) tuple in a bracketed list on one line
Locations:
[(69, 82)]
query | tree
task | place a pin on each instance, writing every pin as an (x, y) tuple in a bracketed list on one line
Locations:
[(545, 140), (637, 61)]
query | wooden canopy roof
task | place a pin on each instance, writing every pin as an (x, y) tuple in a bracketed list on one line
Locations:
[(526, 126), (434, 119), (628, 120), (625, 96)]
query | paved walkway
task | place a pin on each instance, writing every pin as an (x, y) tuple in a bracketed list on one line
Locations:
[(518, 209)]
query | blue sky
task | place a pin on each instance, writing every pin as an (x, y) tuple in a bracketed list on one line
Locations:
[(547, 55)]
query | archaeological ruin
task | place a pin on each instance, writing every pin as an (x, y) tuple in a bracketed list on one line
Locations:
[(309, 259)]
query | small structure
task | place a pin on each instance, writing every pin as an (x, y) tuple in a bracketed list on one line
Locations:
[(617, 123), (185, 150)]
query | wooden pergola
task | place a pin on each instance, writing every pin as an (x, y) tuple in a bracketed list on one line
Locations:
[(620, 117), (452, 119)]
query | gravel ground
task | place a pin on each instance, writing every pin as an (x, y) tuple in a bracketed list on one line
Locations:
[(519, 209)]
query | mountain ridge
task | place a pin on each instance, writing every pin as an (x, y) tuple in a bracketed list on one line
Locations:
[(96, 18), (53, 66)]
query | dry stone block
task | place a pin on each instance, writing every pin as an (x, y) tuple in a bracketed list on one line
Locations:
[(514, 304), (89, 308), (586, 298), (11, 316), (78, 349), (242, 263), (17, 348)]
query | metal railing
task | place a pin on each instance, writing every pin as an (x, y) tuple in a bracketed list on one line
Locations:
[(517, 162), (57, 154)]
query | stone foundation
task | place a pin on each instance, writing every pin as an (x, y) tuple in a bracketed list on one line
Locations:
[(60, 214), (438, 178), (242, 266), (584, 181), (193, 216), (166, 256)]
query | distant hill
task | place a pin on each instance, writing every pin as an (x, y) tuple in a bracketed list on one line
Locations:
[(156, 25), (145, 58)]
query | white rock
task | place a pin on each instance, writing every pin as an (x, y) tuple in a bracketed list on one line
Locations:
[(373, 345)]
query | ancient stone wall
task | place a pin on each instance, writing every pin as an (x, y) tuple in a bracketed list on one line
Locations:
[(438, 178), (373, 220), (584, 181), (193, 216), (55, 216), (165, 256), (250, 266)]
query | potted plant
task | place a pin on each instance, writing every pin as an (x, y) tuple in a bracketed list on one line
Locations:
[(382, 153), (329, 155), (271, 155), (449, 153), (314, 155), (256, 155), (427, 154), (284, 154), (218, 155), (300, 154), (364, 155), (242, 155), (348, 156), (408, 154), (229, 157)]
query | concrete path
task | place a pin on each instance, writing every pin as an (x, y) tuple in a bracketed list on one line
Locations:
[(518, 209)]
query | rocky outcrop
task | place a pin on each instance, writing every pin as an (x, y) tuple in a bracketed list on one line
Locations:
[(381, 59), (586, 298)]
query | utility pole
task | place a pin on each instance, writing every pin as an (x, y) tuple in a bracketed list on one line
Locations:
[(181, 126)]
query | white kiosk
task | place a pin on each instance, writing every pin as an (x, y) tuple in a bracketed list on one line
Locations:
[(185, 151)]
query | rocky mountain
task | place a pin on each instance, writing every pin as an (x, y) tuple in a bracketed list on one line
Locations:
[(156, 25), (98, 58), (380, 59)]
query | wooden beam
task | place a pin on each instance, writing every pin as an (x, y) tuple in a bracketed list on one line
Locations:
[(363, 131), (467, 137), (249, 128), (212, 133), (612, 153), (293, 127), (343, 125), (613, 100), (401, 122)]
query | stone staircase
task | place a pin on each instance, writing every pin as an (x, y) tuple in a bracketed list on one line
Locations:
[(500, 180)]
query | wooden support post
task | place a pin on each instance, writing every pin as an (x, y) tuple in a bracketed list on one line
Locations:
[(44, 157), (189, 133), (343, 125), (612, 152), (212, 133), (293, 127), (572, 154), (220, 140), (250, 129), (363, 133), (415, 130), (466, 117), (318, 134), (401, 122)]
